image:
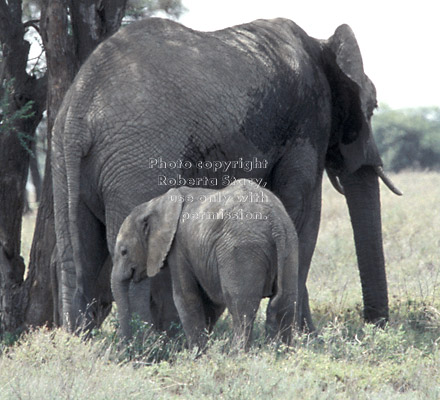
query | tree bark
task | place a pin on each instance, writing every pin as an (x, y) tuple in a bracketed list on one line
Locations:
[(93, 21), (13, 164), (35, 172), (14, 160)]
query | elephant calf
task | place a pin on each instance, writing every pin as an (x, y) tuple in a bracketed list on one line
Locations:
[(225, 248)]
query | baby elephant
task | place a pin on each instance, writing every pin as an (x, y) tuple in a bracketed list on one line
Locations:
[(225, 248)]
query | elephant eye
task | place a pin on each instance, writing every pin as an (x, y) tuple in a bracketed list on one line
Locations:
[(123, 252)]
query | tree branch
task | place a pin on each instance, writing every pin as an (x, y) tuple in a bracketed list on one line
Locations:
[(33, 23), (106, 17)]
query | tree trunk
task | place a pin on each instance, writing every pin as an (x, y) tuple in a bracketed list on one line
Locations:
[(14, 160), (13, 164), (102, 20)]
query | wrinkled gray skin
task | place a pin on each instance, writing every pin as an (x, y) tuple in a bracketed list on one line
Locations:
[(264, 89), (229, 248)]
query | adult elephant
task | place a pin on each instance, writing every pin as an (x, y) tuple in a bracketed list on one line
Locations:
[(156, 102)]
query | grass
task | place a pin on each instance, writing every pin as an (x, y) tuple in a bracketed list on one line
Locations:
[(345, 359)]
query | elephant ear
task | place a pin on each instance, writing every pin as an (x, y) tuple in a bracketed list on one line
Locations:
[(356, 99), (159, 225)]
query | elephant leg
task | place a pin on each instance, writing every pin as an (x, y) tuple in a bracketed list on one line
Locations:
[(307, 237), (280, 315), (305, 213), (103, 294), (243, 275), (243, 312), (163, 311), (213, 312), (282, 310), (188, 298), (139, 294), (305, 318), (93, 280)]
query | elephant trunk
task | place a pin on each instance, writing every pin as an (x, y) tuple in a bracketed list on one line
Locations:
[(363, 199), (120, 289)]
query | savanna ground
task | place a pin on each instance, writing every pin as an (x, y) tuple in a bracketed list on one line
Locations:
[(346, 359)]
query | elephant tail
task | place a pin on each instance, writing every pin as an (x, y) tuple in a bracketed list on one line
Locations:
[(70, 255), (66, 162), (282, 309)]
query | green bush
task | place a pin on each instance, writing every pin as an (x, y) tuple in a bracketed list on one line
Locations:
[(408, 138), (10, 117)]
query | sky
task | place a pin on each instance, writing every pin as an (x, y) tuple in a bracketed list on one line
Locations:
[(399, 40)]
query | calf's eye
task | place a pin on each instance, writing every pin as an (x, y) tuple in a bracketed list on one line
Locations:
[(123, 252)]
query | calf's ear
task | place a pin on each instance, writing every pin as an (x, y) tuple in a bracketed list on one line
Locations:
[(159, 225)]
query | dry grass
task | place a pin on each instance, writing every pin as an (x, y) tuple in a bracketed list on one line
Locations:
[(411, 236), (346, 359)]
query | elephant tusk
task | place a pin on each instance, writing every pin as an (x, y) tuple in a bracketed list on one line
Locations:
[(335, 182), (381, 173)]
